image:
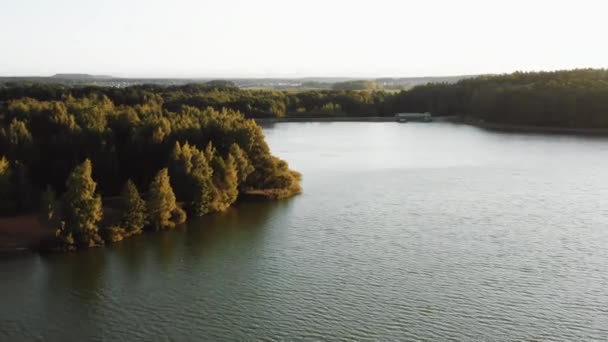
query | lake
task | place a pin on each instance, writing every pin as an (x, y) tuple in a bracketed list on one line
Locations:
[(403, 232)]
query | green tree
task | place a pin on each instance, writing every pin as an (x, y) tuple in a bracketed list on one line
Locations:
[(162, 205), (20, 139), (225, 181), (133, 209), (231, 181), (243, 165), (191, 177), (82, 210), (180, 167), (203, 189)]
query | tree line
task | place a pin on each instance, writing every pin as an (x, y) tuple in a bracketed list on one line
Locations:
[(570, 98), (254, 103)]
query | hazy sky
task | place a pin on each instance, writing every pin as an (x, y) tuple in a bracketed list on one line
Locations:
[(260, 38)]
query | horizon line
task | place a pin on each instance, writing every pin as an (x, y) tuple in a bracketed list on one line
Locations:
[(259, 77)]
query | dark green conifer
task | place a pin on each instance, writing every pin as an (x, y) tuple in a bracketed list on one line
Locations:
[(82, 209), (162, 204), (133, 209)]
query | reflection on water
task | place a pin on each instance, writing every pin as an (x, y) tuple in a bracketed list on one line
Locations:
[(404, 231)]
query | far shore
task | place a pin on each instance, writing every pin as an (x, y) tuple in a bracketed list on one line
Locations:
[(328, 119), (452, 119), (541, 129)]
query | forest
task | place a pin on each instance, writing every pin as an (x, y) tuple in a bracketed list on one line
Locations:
[(570, 98), (100, 170)]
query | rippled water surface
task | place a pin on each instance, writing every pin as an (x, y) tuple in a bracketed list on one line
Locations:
[(403, 232)]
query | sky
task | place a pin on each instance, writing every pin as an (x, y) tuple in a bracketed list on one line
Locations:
[(286, 38)]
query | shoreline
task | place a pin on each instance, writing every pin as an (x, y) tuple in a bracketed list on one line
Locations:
[(540, 129), (327, 119), (26, 233), (510, 128), (451, 119)]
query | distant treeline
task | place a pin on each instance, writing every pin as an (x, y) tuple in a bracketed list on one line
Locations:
[(253, 83), (576, 98), (216, 94)]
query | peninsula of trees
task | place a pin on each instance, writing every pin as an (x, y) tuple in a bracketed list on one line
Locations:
[(104, 169)]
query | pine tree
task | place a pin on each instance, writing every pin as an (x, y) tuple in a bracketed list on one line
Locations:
[(20, 138), (225, 181), (201, 176), (243, 165), (82, 209), (161, 202), (180, 168), (133, 209), (191, 177), (231, 181), (203, 197), (210, 151)]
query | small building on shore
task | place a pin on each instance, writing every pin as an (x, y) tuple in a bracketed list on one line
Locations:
[(420, 117)]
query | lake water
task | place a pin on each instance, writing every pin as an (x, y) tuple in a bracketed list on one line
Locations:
[(403, 232)]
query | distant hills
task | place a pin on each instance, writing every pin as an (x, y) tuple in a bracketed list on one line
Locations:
[(345, 83), (82, 77)]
